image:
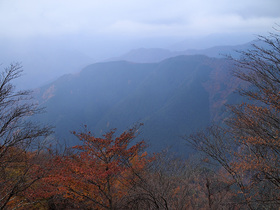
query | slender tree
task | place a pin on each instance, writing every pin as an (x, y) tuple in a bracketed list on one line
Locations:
[(20, 139), (248, 147)]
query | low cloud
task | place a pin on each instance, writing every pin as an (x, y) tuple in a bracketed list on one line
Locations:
[(136, 18)]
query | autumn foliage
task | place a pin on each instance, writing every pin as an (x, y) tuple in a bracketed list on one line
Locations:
[(99, 172), (247, 145), (239, 167)]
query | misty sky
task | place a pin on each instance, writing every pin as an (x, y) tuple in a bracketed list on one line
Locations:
[(137, 18), (54, 37)]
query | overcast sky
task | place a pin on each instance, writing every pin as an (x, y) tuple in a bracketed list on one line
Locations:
[(136, 18), (54, 37)]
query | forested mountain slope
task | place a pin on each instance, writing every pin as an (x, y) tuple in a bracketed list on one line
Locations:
[(172, 98)]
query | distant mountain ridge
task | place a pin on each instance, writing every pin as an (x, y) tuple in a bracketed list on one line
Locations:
[(152, 55), (172, 98)]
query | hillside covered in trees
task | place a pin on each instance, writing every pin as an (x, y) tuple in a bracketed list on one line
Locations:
[(238, 167), (172, 98)]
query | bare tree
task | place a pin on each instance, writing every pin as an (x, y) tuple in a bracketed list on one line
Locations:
[(169, 182), (248, 145), (20, 139)]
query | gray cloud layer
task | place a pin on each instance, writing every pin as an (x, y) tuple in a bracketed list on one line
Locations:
[(139, 18)]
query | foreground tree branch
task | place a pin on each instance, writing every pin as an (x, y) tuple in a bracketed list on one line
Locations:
[(247, 146), (20, 139)]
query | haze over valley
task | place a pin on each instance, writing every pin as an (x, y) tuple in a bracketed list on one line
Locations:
[(156, 63)]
